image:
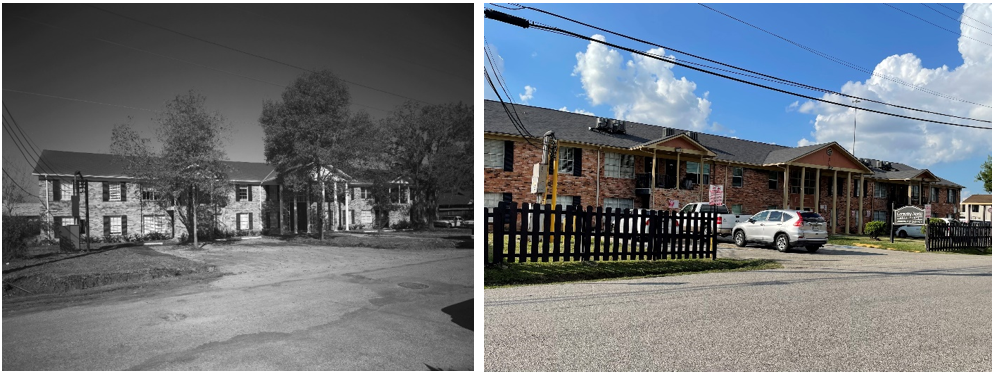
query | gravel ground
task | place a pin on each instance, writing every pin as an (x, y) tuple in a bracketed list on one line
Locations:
[(841, 309)]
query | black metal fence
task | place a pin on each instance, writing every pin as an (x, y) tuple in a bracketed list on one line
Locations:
[(525, 234), (959, 236)]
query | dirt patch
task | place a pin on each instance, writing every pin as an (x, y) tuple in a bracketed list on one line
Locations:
[(64, 273)]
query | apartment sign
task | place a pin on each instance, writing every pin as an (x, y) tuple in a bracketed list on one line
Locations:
[(715, 195), (908, 215)]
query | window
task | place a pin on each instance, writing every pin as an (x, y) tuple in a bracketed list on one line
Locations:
[(243, 219), (115, 224), (880, 190), (618, 203), (692, 172), (491, 199), (154, 224), (760, 216), (773, 180), (794, 178), (364, 193), (775, 216), (67, 191), (810, 183), (566, 164), (64, 221), (565, 200), (975, 208), (738, 209), (951, 196), (494, 154), (934, 194), (114, 191), (916, 193), (738, 177), (879, 216), (398, 194), (619, 165), (243, 192), (149, 194), (856, 189), (366, 217)]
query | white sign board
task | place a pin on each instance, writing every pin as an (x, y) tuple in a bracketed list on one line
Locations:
[(538, 185), (908, 215), (926, 210), (673, 204), (716, 195)]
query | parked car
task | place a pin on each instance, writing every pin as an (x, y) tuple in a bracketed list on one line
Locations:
[(914, 231), (784, 229), (469, 223), (725, 222), (448, 222)]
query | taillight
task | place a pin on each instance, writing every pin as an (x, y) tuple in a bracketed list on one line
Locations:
[(799, 221), (719, 221)]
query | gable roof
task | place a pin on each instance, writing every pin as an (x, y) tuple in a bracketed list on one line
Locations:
[(102, 165), (978, 199), (575, 128)]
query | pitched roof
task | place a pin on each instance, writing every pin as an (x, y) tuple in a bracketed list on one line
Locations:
[(575, 128), (978, 199), (102, 165)]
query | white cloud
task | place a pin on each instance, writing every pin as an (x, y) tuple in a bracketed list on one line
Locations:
[(803, 142), (917, 143), (791, 107), (640, 89), (528, 96), (576, 111)]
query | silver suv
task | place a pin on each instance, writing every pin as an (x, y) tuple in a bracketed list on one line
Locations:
[(783, 228)]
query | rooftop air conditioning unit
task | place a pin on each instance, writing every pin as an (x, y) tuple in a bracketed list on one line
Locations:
[(668, 132), (693, 135), (601, 124), (618, 126)]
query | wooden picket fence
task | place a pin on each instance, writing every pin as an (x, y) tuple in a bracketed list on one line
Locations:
[(959, 236), (524, 234)]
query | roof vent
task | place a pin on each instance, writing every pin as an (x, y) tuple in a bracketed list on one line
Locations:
[(609, 125)]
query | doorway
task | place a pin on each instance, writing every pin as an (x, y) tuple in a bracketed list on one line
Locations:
[(302, 217)]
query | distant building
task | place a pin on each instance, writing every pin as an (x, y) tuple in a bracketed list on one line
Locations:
[(257, 201), (977, 208), (610, 163)]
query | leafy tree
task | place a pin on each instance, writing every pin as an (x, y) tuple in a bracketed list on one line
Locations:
[(986, 175), (309, 129), (431, 147), (187, 160)]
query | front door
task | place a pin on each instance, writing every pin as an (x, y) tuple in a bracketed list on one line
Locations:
[(302, 217)]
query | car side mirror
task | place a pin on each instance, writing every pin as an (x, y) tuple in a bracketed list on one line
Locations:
[(750, 221)]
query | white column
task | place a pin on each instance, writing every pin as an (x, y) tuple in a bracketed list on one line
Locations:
[(347, 206)]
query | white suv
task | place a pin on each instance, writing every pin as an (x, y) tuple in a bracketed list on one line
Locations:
[(784, 229)]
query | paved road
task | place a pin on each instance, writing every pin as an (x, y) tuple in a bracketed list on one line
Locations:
[(841, 309), (286, 308)]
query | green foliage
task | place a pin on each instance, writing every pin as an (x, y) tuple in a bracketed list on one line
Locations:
[(935, 221), (544, 273), (986, 174), (400, 225), (17, 232), (875, 228)]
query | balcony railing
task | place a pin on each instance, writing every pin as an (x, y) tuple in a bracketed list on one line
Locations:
[(663, 182)]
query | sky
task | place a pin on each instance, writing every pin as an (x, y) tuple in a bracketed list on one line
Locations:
[(910, 55), (73, 71)]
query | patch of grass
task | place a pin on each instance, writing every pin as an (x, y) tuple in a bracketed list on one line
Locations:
[(420, 240), (544, 273), (915, 245)]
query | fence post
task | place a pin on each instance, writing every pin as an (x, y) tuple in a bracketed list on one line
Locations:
[(499, 232), (511, 210)]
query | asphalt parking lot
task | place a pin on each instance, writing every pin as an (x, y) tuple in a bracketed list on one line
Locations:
[(840, 309)]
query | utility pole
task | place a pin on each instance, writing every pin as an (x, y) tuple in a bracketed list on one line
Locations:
[(854, 139)]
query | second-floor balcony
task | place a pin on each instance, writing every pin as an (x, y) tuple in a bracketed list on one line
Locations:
[(643, 186)]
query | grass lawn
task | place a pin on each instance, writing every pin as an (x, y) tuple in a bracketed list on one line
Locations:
[(915, 245), (410, 240), (555, 272)]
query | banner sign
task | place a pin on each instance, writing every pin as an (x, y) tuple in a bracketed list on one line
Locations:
[(908, 215), (716, 195)]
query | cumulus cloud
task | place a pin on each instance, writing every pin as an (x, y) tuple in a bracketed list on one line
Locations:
[(576, 111), (640, 89), (528, 95), (919, 143)]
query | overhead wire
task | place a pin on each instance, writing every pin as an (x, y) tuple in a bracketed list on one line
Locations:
[(756, 75), (638, 52), (248, 53), (12, 180), (846, 63), (31, 143), (936, 25), (960, 21), (965, 15), (512, 114)]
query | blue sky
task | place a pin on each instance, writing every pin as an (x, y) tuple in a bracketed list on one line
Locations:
[(105, 68), (580, 76)]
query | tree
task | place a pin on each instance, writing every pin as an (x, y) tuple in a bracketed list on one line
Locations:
[(986, 175), (186, 166), (310, 129), (432, 147)]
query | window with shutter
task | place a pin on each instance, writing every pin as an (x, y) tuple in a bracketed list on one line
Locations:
[(494, 154), (115, 225), (114, 194)]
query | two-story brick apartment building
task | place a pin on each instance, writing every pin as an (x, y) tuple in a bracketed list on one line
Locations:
[(635, 165), (119, 205)]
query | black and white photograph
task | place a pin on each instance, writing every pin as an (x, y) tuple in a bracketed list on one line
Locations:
[(259, 187)]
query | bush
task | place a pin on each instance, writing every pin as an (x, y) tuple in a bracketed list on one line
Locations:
[(403, 224), (935, 221), (875, 228), (17, 231)]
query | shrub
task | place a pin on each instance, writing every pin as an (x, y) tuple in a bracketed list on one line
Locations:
[(875, 228), (403, 224), (17, 231), (935, 221)]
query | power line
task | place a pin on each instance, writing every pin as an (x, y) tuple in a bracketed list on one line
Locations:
[(249, 53), (759, 76), (846, 63), (12, 180), (960, 21), (31, 143), (17, 142), (513, 115), (967, 16), (634, 51), (936, 25)]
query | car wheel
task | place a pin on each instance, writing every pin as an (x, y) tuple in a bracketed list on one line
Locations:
[(812, 248), (739, 239), (902, 234), (782, 243)]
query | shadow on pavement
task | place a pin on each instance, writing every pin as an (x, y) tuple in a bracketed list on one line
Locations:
[(462, 314)]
